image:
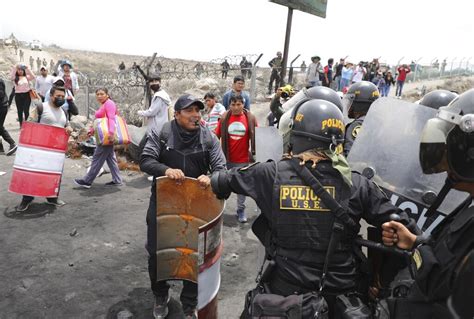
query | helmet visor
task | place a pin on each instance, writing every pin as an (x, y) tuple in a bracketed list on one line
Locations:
[(347, 103), (433, 149)]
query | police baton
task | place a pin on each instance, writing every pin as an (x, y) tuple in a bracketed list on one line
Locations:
[(381, 247)]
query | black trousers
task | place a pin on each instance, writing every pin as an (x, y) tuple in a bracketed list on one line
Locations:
[(160, 288), (3, 132), (274, 77), (23, 101)]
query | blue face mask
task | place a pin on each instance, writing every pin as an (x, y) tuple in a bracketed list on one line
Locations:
[(58, 102)]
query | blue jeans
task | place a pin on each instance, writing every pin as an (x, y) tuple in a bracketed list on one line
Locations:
[(240, 198), (344, 83), (386, 90), (399, 89)]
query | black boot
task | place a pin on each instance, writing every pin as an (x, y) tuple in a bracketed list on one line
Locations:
[(12, 149), (2, 151)]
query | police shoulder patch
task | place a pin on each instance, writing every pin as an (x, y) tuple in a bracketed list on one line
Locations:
[(356, 130), (417, 259), (248, 166)]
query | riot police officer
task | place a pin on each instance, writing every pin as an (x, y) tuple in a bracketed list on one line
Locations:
[(438, 98), (444, 260), (357, 101), (299, 221)]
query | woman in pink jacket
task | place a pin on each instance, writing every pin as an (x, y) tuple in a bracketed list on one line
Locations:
[(103, 153), (22, 76)]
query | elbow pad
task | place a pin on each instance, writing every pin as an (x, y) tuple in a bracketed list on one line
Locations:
[(219, 184)]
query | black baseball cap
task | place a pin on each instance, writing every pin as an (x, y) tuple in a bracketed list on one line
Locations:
[(185, 101)]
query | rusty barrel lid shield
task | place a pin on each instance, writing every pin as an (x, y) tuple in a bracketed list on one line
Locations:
[(182, 210)]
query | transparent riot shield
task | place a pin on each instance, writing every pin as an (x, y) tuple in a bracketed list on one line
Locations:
[(268, 144), (387, 150), (189, 238)]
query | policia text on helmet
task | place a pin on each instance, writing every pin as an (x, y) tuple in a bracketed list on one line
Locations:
[(357, 102), (316, 124), (359, 97)]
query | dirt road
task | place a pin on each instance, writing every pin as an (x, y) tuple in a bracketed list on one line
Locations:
[(88, 258)]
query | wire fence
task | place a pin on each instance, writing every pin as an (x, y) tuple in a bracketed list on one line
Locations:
[(129, 90)]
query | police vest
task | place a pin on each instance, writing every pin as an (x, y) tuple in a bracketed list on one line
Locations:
[(299, 218)]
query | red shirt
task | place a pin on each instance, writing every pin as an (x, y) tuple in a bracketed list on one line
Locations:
[(239, 140), (402, 73)]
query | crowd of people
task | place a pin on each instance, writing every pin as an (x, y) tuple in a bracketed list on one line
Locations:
[(293, 194)]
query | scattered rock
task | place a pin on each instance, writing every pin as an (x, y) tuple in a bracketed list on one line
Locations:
[(69, 296), (73, 232), (27, 282), (125, 314), (76, 126), (71, 264), (79, 119)]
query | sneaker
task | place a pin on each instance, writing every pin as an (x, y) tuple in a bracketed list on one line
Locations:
[(113, 184), (81, 183), (23, 205), (160, 308), (241, 216), (55, 201), (12, 150), (191, 314)]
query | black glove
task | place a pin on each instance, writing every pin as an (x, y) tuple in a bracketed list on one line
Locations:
[(219, 185)]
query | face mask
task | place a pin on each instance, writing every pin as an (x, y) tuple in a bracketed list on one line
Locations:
[(155, 87), (58, 102)]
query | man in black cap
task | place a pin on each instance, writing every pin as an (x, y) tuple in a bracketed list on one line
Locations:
[(184, 147)]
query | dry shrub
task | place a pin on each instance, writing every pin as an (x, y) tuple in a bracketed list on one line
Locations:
[(123, 164)]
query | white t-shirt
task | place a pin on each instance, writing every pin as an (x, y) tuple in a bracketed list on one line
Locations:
[(359, 74), (54, 116)]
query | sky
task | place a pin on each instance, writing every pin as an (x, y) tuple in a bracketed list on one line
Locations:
[(211, 29)]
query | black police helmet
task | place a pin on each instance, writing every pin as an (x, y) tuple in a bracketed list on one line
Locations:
[(326, 94), (447, 141), (360, 96), (316, 124), (438, 98)]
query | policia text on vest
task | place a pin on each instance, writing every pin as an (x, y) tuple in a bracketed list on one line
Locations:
[(294, 197)]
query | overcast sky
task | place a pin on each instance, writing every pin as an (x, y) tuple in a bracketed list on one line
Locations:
[(211, 29)]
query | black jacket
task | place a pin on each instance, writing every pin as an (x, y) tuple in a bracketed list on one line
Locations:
[(303, 267)]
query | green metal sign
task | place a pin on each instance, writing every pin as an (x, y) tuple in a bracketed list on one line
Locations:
[(316, 7)]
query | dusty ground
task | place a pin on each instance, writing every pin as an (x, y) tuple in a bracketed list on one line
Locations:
[(48, 271)]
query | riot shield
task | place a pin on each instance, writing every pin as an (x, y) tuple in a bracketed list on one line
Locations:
[(189, 238), (387, 149), (268, 144)]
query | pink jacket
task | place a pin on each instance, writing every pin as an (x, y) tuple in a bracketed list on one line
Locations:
[(109, 110), (22, 86)]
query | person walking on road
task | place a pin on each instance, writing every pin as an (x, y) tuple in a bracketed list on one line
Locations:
[(103, 153)]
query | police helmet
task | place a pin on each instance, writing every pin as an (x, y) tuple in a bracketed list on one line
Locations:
[(447, 141), (437, 98), (316, 124), (359, 97), (326, 94)]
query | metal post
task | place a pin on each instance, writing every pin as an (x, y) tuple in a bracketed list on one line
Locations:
[(253, 84), (87, 99), (467, 65), (451, 71), (431, 66), (290, 73), (460, 66), (287, 45), (416, 68)]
